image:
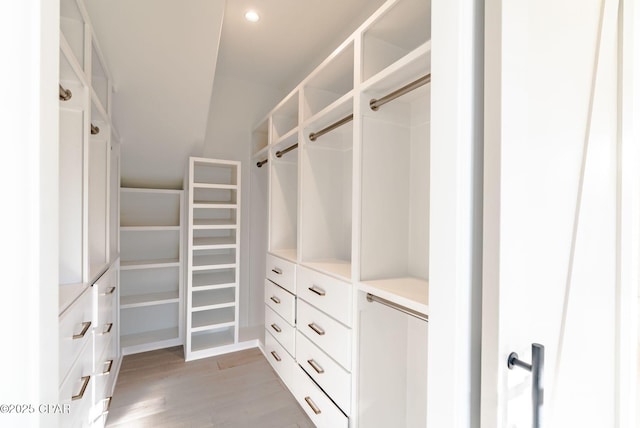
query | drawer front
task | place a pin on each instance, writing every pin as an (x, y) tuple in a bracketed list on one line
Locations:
[(327, 333), (331, 377), (281, 330), (75, 392), (322, 412), (280, 360), (282, 272), (328, 294), (105, 333), (281, 301), (76, 330)]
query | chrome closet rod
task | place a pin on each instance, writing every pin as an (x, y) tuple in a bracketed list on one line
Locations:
[(375, 104), (404, 309), (287, 150), (262, 162), (65, 94), (94, 129), (314, 135)]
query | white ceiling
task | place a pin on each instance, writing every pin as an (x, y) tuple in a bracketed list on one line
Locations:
[(290, 40), (164, 55)]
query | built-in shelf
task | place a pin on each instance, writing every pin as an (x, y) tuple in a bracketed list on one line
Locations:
[(287, 254), (148, 264), (211, 280), (218, 205), (207, 340), (214, 261), (150, 299), (412, 293), (213, 299), (211, 319), (340, 269), (148, 228), (212, 243), (214, 224), (155, 339)]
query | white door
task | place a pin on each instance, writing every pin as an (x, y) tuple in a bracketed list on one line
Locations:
[(560, 244)]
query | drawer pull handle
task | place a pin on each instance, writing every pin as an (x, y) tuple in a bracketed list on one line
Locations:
[(109, 327), (109, 365), (276, 328), (110, 291), (85, 383), (276, 356), (108, 406), (315, 366), (317, 329), (275, 300), (277, 271), (85, 328), (313, 406), (315, 289)]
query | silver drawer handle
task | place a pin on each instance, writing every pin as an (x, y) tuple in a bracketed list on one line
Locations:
[(313, 406), (85, 383), (108, 406), (317, 329), (108, 370), (85, 328), (275, 300), (276, 328), (109, 327), (315, 366), (277, 271), (315, 289), (276, 356), (110, 291)]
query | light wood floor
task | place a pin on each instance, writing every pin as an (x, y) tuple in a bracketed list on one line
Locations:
[(159, 389)]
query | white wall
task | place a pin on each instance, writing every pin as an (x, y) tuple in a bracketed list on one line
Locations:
[(29, 167), (236, 107)]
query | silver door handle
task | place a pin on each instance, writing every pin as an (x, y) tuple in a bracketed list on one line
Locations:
[(537, 369)]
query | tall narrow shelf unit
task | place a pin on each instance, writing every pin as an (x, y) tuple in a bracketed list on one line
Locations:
[(347, 266), (213, 254), (151, 237)]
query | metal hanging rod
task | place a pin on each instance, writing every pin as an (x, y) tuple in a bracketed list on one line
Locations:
[(375, 104), (404, 309), (65, 94), (287, 150), (94, 129), (262, 162), (314, 135)]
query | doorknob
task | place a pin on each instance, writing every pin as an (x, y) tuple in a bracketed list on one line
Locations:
[(536, 368)]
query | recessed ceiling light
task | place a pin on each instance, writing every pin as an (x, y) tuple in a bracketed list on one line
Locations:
[(252, 16)]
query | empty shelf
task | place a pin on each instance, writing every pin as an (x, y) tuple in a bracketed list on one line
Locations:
[(139, 300), (222, 278), (213, 319), (205, 340), (148, 264), (410, 292)]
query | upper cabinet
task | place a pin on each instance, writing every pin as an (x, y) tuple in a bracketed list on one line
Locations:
[(88, 154)]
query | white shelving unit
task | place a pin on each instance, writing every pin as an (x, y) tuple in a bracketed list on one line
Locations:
[(213, 257), (349, 216), (151, 237)]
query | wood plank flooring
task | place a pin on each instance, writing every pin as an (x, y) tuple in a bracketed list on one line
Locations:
[(159, 389)]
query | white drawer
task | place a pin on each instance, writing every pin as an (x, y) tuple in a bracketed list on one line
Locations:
[(76, 330), (322, 412), (280, 360), (331, 336), (328, 294), (280, 329), (331, 377), (281, 301), (75, 392), (281, 272)]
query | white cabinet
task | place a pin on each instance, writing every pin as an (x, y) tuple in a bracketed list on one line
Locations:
[(349, 209), (88, 253), (213, 254), (151, 269)]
